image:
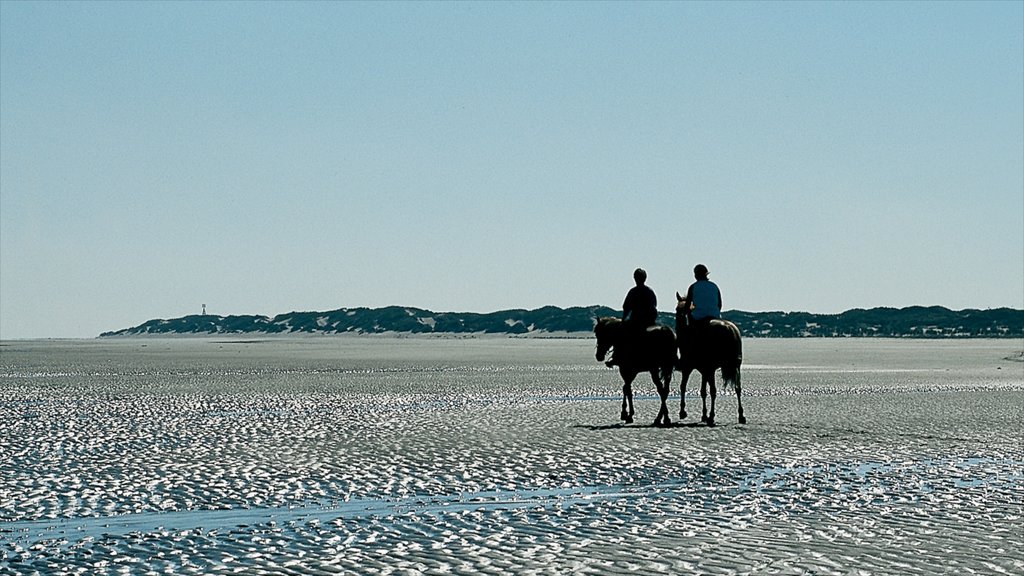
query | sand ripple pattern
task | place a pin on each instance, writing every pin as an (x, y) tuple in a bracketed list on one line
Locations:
[(498, 456)]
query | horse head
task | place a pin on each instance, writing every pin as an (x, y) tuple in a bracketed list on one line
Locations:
[(681, 305), (606, 329)]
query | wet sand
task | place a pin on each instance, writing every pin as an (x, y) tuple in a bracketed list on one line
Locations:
[(504, 456)]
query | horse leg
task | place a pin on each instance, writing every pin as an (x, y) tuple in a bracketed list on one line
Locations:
[(739, 402), (624, 414), (682, 395), (714, 394), (662, 418), (703, 398), (627, 396), (666, 372)]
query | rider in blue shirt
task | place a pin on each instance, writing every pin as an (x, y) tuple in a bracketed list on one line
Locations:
[(703, 299)]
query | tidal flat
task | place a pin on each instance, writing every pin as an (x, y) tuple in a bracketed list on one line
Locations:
[(490, 455)]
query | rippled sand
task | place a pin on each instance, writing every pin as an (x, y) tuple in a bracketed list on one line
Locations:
[(495, 456)]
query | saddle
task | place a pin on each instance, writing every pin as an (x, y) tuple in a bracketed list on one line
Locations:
[(693, 338), (633, 341)]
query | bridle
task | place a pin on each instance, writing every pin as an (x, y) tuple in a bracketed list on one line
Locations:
[(606, 341)]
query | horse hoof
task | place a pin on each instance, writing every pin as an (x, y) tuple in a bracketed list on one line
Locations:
[(628, 419), (711, 423), (704, 419), (743, 420), (682, 414)]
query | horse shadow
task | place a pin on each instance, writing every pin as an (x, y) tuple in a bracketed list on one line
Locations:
[(621, 426)]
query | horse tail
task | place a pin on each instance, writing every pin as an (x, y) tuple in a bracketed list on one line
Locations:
[(731, 375), (731, 368)]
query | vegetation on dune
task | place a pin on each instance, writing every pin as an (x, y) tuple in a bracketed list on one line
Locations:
[(915, 321)]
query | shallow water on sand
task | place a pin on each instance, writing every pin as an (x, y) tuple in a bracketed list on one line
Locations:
[(493, 455)]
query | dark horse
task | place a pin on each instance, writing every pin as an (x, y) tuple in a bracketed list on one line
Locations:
[(705, 349), (652, 351)]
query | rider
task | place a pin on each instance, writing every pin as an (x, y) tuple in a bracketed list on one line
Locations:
[(639, 309), (703, 301)]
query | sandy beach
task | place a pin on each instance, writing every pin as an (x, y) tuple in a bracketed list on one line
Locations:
[(351, 455)]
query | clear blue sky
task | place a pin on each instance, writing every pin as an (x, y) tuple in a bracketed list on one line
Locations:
[(269, 157)]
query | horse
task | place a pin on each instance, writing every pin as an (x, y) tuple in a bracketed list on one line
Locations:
[(715, 345), (653, 351)]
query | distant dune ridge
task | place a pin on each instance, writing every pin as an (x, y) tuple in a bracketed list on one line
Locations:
[(914, 321)]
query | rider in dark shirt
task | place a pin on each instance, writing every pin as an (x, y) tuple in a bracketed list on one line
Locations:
[(640, 309)]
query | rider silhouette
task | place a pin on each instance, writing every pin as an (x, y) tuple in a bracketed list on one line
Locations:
[(640, 308), (704, 297), (639, 311), (702, 304)]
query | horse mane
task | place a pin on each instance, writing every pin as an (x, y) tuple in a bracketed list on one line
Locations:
[(607, 321)]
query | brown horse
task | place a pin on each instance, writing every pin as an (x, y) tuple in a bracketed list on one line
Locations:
[(653, 350), (706, 348)]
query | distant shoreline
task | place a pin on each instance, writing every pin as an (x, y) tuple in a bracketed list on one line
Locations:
[(577, 322)]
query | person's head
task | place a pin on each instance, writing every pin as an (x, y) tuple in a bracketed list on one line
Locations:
[(640, 276), (700, 272)]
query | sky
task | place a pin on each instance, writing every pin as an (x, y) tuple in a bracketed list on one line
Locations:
[(269, 157)]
